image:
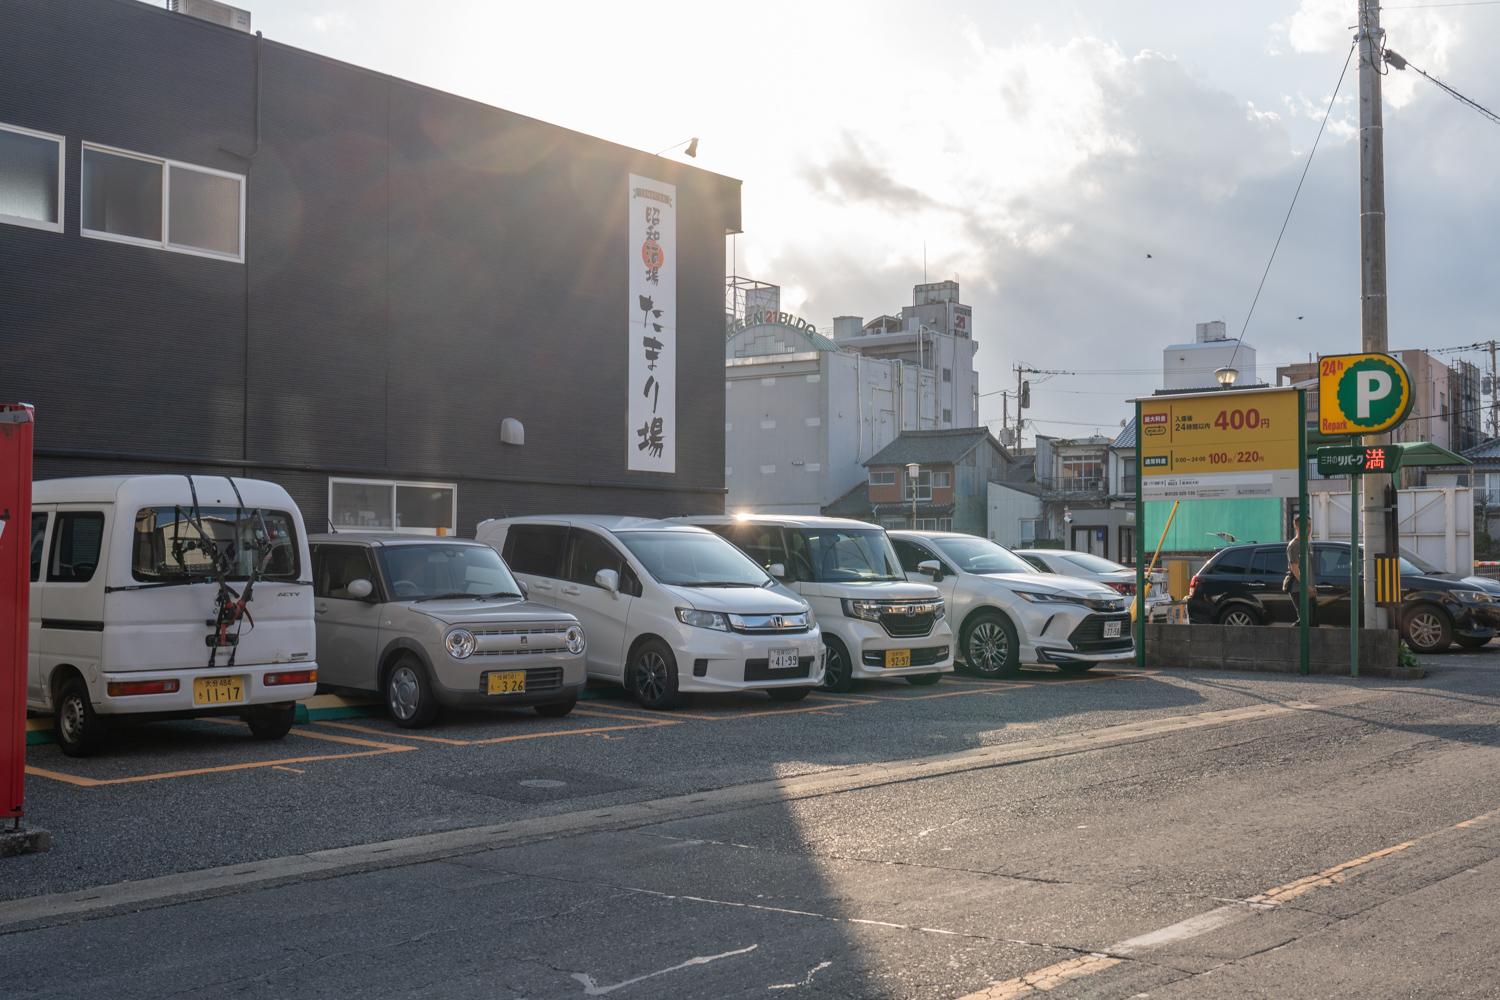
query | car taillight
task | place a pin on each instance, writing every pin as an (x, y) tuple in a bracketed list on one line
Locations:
[(119, 689), (1193, 585), (291, 677)]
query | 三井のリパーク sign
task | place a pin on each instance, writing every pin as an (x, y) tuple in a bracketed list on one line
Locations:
[(1220, 445), (1361, 393), (651, 418)]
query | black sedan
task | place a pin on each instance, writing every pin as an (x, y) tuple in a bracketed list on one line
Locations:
[(1241, 585)]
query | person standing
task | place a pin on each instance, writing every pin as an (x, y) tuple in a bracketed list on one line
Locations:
[(1291, 584)]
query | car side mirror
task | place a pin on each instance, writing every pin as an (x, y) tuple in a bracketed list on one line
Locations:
[(608, 579), (525, 590), (777, 570), (360, 589), (932, 568)]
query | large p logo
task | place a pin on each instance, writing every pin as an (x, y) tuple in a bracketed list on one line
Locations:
[(1370, 387)]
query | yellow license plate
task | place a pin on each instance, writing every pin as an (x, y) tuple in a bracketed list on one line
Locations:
[(507, 682), (898, 657), (218, 690)]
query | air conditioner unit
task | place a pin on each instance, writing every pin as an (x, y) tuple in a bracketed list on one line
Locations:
[(213, 12)]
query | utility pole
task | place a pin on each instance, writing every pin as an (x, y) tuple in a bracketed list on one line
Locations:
[(1372, 299), (1494, 396)]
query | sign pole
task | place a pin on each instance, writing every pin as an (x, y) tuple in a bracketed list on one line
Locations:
[(1304, 531), (1140, 542), (1354, 565)]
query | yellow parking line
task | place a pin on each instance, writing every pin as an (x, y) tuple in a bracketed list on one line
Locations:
[(571, 732), (1049, 978), (370, 730), (74, 779)]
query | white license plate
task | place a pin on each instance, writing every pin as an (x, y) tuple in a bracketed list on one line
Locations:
[(783, 659), (1112, 629)]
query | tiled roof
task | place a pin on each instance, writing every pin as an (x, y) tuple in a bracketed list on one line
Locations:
[(932, 447)]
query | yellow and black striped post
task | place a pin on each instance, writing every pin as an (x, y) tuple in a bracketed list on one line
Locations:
[(1387, 580)]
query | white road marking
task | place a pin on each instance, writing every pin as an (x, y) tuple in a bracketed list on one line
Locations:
[(591, 988), (806, 980), (1184, 929)]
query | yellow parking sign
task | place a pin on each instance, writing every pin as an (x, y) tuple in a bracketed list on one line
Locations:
[(1361, 393)]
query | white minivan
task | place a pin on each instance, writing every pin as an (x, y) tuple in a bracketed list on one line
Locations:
[(875, 623), (167, 597), (668, 609)]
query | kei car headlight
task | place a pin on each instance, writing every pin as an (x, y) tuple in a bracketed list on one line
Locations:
[(1473, 596), (461, 644), (574, 638), (703, 619), (939, 611), (812, 619), (867, 610)]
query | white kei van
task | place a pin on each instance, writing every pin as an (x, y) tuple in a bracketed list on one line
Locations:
[(167, 596), (876, 624)]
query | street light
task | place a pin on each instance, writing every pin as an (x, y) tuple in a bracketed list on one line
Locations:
[(912, 471), (1226, 377), (692, 147)]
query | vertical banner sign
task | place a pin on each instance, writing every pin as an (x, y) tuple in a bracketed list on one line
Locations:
[(15, 589), (652, 392)]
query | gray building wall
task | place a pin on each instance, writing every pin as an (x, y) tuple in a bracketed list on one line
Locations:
[(419, 267)]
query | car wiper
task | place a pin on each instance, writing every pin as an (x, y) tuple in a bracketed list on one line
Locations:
[(726, 583), (442, 597), (497, 595)]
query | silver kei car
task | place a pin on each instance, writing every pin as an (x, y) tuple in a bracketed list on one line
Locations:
[(431, 622), (1006, 614)]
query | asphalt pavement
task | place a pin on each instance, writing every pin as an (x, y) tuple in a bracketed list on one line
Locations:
[(1165, 833)]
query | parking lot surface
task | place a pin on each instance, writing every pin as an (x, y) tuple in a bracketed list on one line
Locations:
[(1123, 833)]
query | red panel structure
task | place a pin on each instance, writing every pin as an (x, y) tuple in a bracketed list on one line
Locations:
[(15, 591)]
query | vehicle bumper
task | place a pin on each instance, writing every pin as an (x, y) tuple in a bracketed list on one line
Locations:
[(710, 660), (1046, 655), (1048, 634), (869, 641), (1475, 622), (549, 679), (180, 702)]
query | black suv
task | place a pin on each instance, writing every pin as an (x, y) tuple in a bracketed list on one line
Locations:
[(1241, 585)]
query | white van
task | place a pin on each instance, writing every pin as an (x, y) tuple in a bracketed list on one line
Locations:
[(167, 596), (668, 609), (875, 623)]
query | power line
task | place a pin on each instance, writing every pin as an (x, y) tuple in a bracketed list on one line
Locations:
[(1284, 222), (1400, 62), (1450, 3)]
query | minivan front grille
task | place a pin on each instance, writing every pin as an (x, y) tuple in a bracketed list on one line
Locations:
[(907, 623)]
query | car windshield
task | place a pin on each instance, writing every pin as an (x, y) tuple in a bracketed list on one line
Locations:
[(692, 559), (980, 555), (1088, 563), (455, 570), (842, 555)]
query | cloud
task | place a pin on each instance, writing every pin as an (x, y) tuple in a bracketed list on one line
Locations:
[(855, 176)]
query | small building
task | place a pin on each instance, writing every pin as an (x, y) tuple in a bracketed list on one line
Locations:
[(1192, 366), (950, 492), (1015, 513)]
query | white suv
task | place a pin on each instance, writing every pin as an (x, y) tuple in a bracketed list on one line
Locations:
[(668, 609), (876, 624), (1008, 614)]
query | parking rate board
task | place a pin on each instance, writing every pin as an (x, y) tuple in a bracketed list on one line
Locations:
[(1220, 445)]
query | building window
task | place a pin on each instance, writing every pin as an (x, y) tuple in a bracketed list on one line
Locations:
[(1082, 473), (31, 178), (947, 374), (384, 505), (923, 486), (933, 524), (155, 202), (947, 416), (884, 477), (942, 479), (1028, 531), (894, 523)]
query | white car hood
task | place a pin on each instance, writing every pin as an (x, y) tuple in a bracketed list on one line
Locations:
[(883, 591), (740, 600), (1064, 586)]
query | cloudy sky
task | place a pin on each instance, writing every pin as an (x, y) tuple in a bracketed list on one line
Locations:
[(1039, 151)]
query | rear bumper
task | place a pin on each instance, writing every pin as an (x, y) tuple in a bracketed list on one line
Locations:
[(180, 702)]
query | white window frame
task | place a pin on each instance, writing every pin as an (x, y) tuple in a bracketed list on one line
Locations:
[(887, 478), (62, 173), (394, 529), (918, 490), (942, 479), (165, 243)]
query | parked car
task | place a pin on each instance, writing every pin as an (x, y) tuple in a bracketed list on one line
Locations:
[(432, 622), (1087, 566), (876, 624), (161, 597), (668, 609), (1241, 585), (1008, 614)]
